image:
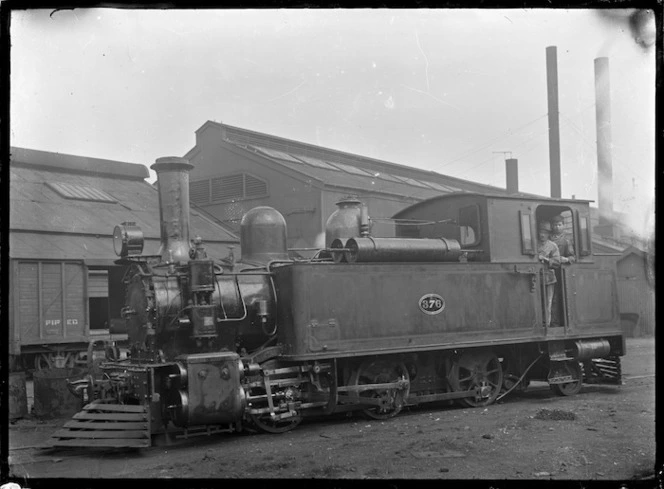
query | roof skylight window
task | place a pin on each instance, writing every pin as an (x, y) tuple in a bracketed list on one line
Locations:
[(444, 188), (412, 181), (280, 155), (353, 169), (388, 177), (317, 163), (80, 192)]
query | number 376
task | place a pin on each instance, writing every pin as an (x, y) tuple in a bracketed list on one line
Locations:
[(431, 303)]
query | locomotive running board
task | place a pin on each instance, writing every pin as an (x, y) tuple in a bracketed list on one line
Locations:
[(106, 426)]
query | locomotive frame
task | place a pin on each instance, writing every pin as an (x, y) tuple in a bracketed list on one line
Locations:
[(450, 309)]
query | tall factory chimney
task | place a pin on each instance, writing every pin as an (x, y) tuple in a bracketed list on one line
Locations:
[(554, 123), (512, 175), (604, 166)]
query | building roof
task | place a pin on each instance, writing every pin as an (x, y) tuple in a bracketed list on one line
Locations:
[(602, 245), (66, 207), (633, 250), (332, 168)]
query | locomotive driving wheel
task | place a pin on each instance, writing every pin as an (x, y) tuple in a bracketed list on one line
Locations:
[(481, 371), (382, 372)]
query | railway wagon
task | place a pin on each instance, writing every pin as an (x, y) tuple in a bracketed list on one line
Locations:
[(57, 310), (451, 308)]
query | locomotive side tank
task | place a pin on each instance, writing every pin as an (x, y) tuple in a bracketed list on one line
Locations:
[(452, 308)]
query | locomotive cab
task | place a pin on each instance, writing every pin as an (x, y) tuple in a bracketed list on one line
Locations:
[(503, 230)]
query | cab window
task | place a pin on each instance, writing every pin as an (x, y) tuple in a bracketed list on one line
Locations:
[(527, 241), (584, 235), (469, 225), (545, 214)]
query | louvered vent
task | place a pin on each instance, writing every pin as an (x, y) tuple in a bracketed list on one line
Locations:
[(199, 192), (228, 187), (254, 187)]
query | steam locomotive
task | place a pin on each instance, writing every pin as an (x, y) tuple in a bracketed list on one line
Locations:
[(451, 309)]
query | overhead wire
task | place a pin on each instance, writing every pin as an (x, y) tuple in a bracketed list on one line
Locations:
[(488, 143), (492, 156)]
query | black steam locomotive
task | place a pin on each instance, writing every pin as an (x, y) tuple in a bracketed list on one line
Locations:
[(452, 308)]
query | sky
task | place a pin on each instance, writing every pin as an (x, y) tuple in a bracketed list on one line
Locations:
[(453, 91)]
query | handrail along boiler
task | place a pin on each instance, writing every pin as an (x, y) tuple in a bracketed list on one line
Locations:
[(450, 309)]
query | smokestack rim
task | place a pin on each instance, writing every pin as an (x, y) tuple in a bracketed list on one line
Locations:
[(172, 163)]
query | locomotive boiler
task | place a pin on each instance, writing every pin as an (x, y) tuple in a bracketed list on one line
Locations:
[(450, 309)]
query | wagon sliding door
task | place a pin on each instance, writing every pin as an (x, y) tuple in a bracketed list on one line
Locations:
[(51, 302)]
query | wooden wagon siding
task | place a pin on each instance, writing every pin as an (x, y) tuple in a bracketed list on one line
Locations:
[(52, 303)]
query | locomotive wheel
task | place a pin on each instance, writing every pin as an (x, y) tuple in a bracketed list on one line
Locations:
[(382, 372), (570, 388), (265, 423), (481, 371)]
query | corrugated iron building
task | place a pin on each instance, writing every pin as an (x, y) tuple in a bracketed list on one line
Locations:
[(64, 285), (237, 169)]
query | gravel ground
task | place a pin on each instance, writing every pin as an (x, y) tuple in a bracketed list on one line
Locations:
[(603, 433)]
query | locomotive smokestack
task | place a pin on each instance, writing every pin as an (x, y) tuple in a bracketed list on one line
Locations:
[(554, 123), (173, 184), (512, 175), (604, 167)]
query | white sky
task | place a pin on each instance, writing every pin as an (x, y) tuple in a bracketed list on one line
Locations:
[(442, 90)]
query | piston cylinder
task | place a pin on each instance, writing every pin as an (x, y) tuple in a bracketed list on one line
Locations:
[(400, 250), (212, 393)]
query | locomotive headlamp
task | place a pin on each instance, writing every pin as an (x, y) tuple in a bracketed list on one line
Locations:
[(127, 239)]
